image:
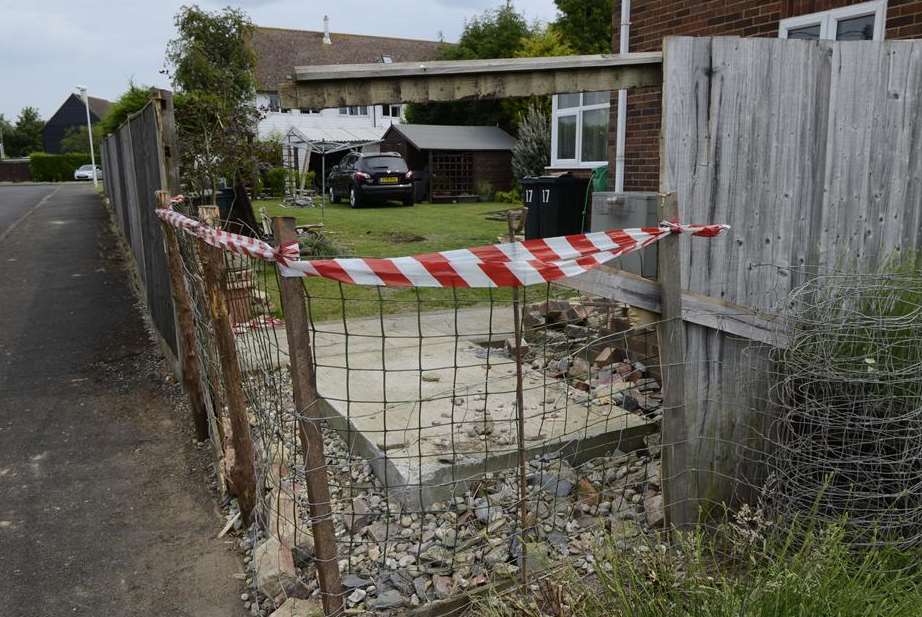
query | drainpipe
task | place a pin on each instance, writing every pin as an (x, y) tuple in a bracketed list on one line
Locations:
[(621, 129)]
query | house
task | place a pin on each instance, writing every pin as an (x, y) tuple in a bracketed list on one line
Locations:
[(455, 162), (278, 50), (580, 120), (71, 115)]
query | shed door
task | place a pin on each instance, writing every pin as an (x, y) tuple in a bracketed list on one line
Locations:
[(452, 174)]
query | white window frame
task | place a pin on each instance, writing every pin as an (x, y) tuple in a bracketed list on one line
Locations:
[(557, 112), (828, 21)]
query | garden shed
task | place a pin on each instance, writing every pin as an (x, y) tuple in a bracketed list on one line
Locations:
[(454, 162)]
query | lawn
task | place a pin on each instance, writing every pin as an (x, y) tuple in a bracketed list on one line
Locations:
[(396, 231)]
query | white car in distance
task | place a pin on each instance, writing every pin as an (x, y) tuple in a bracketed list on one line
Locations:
[(85, 172)]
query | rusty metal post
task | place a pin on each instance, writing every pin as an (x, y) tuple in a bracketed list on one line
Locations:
[(304, 385), (243, 476), (191, 374)]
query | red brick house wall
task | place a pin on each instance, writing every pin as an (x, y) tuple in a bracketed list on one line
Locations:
[(653, 20)]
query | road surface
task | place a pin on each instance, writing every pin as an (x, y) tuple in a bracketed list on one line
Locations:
[(104, 500)]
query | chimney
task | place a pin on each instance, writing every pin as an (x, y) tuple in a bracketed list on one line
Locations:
[(326, 31)]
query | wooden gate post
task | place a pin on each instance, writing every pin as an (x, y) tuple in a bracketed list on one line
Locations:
[(191, 375), (676, 477), (243, 477), (304, 385)]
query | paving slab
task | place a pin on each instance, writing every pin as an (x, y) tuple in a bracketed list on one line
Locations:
[(431, 403)]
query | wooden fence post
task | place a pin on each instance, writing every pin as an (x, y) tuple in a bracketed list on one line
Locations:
[(304, 385), (188, 348), (675, 474), (243, 476)]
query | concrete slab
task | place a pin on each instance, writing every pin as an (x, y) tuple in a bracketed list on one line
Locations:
[(431, 403)]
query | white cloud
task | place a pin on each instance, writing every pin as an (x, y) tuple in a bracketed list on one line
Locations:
[(49, 46)]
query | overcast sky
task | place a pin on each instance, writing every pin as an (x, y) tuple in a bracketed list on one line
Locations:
[(49, 46)]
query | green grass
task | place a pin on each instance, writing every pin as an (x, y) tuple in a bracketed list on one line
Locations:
[(736, 572), (397, 231)]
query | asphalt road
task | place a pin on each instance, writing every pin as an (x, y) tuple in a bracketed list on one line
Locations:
[(104, 500)]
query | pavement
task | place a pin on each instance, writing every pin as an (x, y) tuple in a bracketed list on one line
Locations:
[(105, 505)]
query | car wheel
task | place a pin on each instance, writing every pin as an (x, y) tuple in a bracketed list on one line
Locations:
[(333, 198), (408, 201), (354, 200)]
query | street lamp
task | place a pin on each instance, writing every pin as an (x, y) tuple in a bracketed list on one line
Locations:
[(89, 132)]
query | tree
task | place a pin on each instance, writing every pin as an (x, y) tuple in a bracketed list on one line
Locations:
[(496, 33), (132, 100), (585, 25), (211, 67), (26, 136), (75, 140), (532, 150)]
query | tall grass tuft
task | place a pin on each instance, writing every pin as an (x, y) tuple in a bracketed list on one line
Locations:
[(743, 569)]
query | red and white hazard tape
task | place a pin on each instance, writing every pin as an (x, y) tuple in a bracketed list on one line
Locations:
[(511, 264), (235, 243)]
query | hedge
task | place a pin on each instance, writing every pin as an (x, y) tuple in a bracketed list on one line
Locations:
[(56, 167)]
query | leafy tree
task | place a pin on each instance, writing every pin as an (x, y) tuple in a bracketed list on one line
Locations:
[(132, 100), (543, 42), (532, 150), (75, 140), (26, 136), (585, 25), (496, 33), (211, 67)]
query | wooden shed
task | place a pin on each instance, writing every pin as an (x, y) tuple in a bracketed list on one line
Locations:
[(456, 163)]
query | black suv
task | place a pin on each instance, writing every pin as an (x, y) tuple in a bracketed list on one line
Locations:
[(361, 178)]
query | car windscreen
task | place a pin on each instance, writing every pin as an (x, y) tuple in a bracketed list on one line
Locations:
[(384, 163), (85, 168)]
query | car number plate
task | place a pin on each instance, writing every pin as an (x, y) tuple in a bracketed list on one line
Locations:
[(389, 180)]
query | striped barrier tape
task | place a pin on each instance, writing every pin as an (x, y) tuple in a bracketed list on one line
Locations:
[(511, 264)]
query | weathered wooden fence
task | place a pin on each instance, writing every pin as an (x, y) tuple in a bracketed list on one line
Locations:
[(138, 161), (811, 152)]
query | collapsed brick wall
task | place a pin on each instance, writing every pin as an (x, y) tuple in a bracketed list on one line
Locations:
[(653, 20)]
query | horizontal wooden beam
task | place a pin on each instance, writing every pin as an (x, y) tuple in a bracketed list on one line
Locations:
[(462, 80), (700, 310)]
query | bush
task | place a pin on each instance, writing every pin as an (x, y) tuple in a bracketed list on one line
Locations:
[(510, 197), (275, 181), (56, 167)]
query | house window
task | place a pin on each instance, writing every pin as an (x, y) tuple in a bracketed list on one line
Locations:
[(355, 110), (392, 111), (858, 22), (274, 102), (579, 134)]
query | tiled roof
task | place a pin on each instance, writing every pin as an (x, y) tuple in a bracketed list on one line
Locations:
[(279, 50)]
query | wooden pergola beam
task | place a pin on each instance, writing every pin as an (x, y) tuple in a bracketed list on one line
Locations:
[(463, 80)]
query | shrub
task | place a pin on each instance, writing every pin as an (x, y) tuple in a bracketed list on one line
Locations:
[(132, 100), (275, 181), (510, 197), (485, 190), (56, 167)]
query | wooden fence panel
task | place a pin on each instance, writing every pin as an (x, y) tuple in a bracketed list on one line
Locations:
[(809, 150), (134, 172)]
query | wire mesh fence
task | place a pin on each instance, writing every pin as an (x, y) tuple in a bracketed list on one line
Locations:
[(466, 437)]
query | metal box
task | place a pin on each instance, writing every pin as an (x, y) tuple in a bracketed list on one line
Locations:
[(612, 210)]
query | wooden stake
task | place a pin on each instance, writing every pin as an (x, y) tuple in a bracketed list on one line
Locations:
[(304, 385), (243, 476), (188, 346), (670, 332), (512, 220)]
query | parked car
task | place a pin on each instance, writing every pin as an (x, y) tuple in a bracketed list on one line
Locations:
[(85, 172), (363, 178)]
